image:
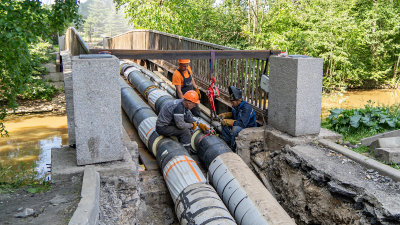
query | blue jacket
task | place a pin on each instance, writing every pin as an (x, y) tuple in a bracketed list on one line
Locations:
[(244, 115)]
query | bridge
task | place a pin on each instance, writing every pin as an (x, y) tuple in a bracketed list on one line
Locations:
[(285, 172)]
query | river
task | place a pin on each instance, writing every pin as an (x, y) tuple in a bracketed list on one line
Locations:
[(31, 139)]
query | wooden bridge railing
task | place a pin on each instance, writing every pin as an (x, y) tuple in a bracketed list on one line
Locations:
[(74, 43), (242, 73)]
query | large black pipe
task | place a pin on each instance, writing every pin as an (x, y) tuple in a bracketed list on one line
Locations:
[(245, 196), (196, 202)]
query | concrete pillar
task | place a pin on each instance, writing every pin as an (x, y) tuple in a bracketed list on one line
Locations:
[(61, 43), (295, 94), (97, 109)]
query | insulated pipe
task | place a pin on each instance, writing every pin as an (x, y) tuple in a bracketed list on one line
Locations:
[(156, 97), (195, 201), (126, 69), (152, 76), (245, 196)]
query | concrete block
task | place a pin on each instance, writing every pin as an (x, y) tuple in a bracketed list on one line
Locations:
[(388, 155), (295, 94), (244, 140), (369, 140), (391, 142), (97, 110), (69, 100)]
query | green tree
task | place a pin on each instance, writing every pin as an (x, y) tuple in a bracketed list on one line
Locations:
[(199, 19), (23, 23)]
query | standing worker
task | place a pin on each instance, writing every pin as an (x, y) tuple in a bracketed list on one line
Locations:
[(242, 116), (184, 82), (174, 119)]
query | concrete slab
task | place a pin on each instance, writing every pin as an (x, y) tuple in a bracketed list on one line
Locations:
[(97, 109), (295, 95), (64, 166), (365, 161), (58, 84), (369, 140), (54, 77), (391, 142), (50, 67), (276, 139), (388, 155)]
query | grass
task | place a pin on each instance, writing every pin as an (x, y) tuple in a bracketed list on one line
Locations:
[(25, 176)]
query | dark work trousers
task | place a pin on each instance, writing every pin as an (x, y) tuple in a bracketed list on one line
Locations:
[(183, 135)]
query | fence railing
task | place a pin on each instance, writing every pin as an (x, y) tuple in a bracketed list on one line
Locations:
[(242, 73), (74, 43)]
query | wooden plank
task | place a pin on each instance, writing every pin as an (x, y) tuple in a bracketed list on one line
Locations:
[(249, 82), (257, 83), (180, 54)]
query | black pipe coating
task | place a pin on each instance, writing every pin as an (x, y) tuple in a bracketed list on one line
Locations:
[(163, 101), (210, 147), (168, 149), (140, 82)]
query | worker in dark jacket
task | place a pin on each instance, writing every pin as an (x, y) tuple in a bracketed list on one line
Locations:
[(175, 119), (184, 82), (242, 116)]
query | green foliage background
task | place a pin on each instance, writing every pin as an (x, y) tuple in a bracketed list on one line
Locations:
[(24, 23), (358, 39), (101, 17)]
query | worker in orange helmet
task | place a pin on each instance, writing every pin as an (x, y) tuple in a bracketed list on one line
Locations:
[(174, 119), (184, 82)]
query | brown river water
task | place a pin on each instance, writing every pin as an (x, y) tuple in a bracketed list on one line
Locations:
[(32, 137)]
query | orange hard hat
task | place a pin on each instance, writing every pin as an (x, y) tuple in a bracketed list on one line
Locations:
[(184, 61), (192, 96)]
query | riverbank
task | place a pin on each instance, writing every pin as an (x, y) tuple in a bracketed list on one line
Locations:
[(56, 203)]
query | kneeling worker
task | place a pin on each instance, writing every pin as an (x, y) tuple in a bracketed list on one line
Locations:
[(242, 116), (175, 119)]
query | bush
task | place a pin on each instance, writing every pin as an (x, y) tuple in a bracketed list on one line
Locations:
[(356, 124), (39, 89)]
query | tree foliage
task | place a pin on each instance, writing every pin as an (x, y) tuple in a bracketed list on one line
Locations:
[(358, 39), (23, 23), (101, 17)]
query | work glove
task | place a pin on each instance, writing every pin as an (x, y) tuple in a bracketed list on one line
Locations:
[(194, 126), (198, 92), (225, 115), (203, 127), (227, 122)]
